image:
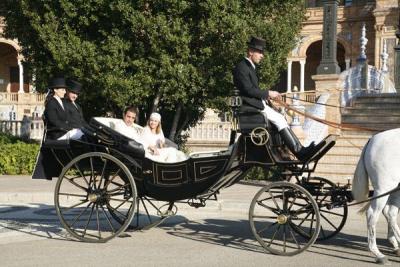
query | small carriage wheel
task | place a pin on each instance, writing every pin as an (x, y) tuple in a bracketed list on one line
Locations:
[(278, 212), (87, 188), (333, 214), (259, 136)]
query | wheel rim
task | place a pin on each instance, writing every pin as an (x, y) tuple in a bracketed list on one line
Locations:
[(279, 208), (333, 217), (89, 187)]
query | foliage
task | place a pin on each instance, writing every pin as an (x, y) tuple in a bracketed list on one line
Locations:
[(17, 157), (258, 173), (174, 56)]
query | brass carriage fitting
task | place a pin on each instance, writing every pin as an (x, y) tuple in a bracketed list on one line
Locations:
[(281, 219)]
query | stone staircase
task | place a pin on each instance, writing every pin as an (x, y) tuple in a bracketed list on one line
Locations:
[(371, 111)]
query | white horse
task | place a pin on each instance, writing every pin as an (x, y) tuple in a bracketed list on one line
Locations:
[(380, 161)]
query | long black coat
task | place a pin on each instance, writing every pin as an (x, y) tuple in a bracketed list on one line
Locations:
[(246, 81), (56, 119), (75, 114)]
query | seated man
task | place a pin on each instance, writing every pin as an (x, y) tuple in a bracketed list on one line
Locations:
[(246, 81), (127, 126)]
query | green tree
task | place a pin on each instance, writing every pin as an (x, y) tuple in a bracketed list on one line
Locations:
[(174, 56)]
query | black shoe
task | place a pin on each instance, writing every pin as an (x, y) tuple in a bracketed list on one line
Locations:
[(307, 152)]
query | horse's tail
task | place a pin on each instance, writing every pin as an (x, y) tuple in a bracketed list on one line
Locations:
[(360, 180)]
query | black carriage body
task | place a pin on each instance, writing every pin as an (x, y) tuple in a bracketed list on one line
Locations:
[(199, 175)]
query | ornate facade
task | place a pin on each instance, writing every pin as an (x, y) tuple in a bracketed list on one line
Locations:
[(17, 97), (380, 17)]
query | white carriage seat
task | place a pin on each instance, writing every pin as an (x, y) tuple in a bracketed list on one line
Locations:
[(167, 154), (133, 132)]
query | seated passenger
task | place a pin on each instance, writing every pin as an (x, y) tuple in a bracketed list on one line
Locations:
[(75, 112), (127, 126), (55, 113), (153, 141)]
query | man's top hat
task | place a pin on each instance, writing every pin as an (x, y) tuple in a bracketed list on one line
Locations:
[(256, 43), (74, 86), (58, 82)]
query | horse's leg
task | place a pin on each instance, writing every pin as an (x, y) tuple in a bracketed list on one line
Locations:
[(373, 213), (393, 211), (390, 212)]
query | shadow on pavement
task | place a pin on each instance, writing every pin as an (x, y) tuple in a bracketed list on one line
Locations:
[(237, 234)]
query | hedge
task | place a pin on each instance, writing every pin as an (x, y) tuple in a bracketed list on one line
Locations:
[(17, 156)]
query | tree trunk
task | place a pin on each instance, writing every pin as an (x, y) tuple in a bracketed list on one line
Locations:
[(155, 103), (175, 122)]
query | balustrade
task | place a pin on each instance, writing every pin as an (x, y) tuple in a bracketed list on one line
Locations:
[(27, 129)]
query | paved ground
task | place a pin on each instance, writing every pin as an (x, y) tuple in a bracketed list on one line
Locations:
[(217, 235)]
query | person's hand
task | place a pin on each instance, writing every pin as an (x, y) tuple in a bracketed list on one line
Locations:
[(274, 95)]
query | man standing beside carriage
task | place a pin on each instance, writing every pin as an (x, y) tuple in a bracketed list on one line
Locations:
[(245, 79)]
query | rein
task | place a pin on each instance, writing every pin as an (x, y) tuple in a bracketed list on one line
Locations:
[(342, 126), (376, 197)]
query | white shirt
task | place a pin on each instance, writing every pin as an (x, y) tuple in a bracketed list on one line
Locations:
[(59, 101), (251, 62)]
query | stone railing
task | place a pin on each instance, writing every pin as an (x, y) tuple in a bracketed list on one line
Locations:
[(27, 129), (210, 131), (306, 98), (17, 98)]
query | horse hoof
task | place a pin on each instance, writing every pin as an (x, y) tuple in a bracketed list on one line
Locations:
[(382, 261)]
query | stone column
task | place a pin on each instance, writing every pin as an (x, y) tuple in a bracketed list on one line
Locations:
[(329, 63), (302, 67), (289, 76), (397, 58), (21, 76), (329, 83), (347, 60)]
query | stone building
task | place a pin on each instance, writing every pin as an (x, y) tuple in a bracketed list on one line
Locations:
[(380, 17), (17, 95)]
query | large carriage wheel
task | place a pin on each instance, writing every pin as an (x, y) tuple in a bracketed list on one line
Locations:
[(278, 212), (88, 189), (333, 216)]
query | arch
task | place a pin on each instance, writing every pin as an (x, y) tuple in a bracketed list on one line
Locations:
[(312, 39), (12, 43)]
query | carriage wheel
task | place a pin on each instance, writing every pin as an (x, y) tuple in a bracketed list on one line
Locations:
[(278, 212), (332, 219), (88, 188)]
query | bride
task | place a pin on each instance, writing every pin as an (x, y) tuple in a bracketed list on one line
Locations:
[(154, 142)]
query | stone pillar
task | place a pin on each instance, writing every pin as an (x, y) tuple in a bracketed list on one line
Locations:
[(302, 67), (289, 77), (347, 60), (21, 76), (397, 59), (330, 83), (329, 63)]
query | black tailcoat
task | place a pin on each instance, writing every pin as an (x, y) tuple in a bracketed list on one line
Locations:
[(75, 114), (56, 119), (246, 81)]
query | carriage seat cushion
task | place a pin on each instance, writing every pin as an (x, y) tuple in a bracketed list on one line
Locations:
[(250, 118)]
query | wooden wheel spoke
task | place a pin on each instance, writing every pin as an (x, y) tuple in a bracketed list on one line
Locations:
[(269, 208), (108, 219), (88, 220), (75, 205), (328, 221), (79, 215)]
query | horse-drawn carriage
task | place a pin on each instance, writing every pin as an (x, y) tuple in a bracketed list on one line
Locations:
[(106, 184)]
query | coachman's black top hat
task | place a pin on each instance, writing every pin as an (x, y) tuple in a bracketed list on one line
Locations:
[(74, 86), (58, 82), (256, 43)]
